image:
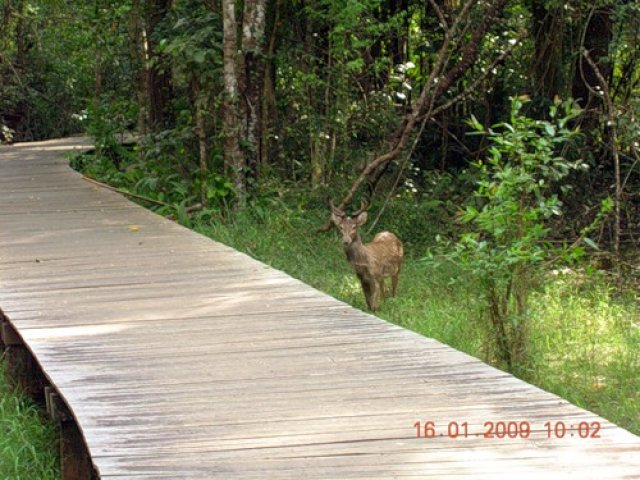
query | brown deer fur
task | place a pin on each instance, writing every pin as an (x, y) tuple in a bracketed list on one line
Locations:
[(373, 261)]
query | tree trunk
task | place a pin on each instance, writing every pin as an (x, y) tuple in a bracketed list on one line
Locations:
[(158, 75), (20, 124), (317, 155), (21, 37), (202, 143), (612, 130), (597, 36), (97, 76), (268, 109), (234, 160), (251, 78), (398, 43), (546, 67), (138, 54)]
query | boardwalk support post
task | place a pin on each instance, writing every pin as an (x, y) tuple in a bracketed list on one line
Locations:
[(25, 373), (22, 369), (2, 320), (75, 461)]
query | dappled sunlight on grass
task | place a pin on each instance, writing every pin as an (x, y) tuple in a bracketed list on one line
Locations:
[(586, 347), (349, 285)]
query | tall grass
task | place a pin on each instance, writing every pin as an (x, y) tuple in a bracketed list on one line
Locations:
[(585, 342), (28, 441)]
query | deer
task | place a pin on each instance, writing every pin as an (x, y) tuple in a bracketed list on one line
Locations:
[(373, 261)]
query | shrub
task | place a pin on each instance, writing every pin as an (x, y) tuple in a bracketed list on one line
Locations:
[(509, 215)]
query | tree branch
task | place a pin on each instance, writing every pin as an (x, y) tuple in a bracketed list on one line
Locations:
[(127, 193), (425, 106), (611, 124)]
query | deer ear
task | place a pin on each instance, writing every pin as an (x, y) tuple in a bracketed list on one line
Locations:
[(337, 220), (361, 219)]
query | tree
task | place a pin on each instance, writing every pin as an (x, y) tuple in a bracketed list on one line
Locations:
[(158, 71), (446, 71), (234, 160), (140, 62), (243, 80), (595, 38), (548, 31), (250, 79)]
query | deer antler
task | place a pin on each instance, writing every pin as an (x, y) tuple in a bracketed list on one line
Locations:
[(334, 209), (364, 205)]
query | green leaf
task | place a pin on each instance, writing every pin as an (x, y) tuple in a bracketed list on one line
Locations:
[(475, 124), (199, 56), (591, 243), (550, 129)]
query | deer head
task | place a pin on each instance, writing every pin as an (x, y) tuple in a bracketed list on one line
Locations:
[(348, 224)]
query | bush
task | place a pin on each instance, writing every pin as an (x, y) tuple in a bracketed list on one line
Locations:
[(516, 197)]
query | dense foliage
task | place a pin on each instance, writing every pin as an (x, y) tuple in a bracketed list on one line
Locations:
[(226, 97)]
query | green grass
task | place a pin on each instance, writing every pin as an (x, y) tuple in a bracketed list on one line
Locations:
[(28, 442), (584, 345)]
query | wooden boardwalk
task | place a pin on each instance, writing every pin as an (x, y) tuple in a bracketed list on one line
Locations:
[(181, 358)]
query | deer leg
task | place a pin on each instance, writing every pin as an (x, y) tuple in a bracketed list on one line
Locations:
[(382, 292), (394, 285), (394, 280), (366, 288), (375, 295)]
